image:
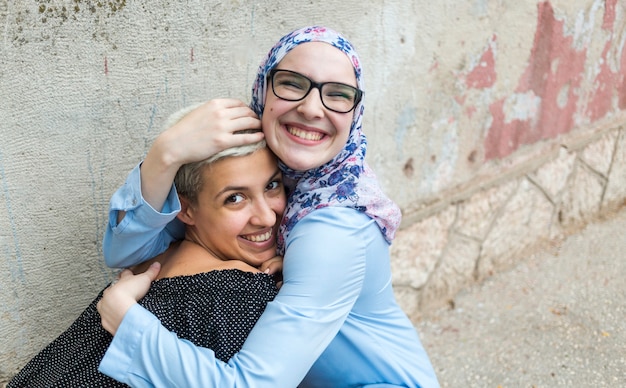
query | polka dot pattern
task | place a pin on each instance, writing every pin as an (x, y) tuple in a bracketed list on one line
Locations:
[(215, 310)]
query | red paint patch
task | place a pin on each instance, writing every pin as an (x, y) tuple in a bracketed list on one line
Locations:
[(621, 80), (607, 81), (609, 14), (506, 140), (484, 74), (554, 72), (601, 100)]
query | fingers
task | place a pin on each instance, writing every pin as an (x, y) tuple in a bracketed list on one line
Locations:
[(226, 109), (152, 272), (239, 139), (232, 120), (136, 286), (124, 273), (208, 129), (226, 103), (215, 122), (272, 266), (118, 298), (235, 114)]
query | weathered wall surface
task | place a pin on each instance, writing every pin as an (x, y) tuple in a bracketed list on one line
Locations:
[(495, 124)]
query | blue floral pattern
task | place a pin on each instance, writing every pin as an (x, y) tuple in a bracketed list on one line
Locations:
[(344, 181)]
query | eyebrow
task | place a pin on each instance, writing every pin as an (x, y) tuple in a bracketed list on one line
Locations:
[(311, 79), (241, 188)]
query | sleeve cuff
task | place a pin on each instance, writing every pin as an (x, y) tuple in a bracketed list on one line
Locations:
[(129, 198), (118, 359)]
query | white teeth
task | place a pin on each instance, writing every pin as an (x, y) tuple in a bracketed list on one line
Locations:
[(260, 237), (307, 135)]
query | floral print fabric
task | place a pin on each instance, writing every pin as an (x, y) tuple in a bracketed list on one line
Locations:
[(346, 180)]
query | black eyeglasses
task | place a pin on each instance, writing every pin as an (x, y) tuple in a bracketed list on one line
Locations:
[(291, 86)]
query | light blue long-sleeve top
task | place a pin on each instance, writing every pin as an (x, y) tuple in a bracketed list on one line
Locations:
[(334, 323)]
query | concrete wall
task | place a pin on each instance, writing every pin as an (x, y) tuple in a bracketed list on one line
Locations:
[(495, 124)]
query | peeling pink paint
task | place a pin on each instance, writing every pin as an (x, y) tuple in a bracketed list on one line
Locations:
[(621, 81), (601, 100), (506, 140), (549, 94), (484, 74), (554, 72), (609, 14)]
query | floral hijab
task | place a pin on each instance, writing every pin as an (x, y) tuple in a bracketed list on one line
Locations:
[(346, 180)]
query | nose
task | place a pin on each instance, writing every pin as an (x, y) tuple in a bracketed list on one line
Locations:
[(263, 214), (311, 106)]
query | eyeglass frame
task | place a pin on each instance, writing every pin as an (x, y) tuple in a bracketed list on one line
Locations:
[(319, 85)]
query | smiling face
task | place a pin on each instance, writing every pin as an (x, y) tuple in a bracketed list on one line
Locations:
[(238, 209), (304, 134)]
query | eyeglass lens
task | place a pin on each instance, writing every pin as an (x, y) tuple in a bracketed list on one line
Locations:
[(293, 86)]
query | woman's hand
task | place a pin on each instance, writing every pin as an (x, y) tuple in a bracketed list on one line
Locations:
[(206, 130), (274, 267), (118, 298)]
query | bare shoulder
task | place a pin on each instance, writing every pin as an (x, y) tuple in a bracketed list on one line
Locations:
[(191, 259), (238, 264)]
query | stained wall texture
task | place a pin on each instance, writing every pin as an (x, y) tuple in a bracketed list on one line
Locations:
[(494, 124)]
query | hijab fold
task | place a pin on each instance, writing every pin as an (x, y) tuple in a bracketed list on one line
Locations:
[(344, 181)]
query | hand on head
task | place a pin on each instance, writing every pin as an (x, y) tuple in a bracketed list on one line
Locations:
[(191, 137), (210, 128), (123, 294)]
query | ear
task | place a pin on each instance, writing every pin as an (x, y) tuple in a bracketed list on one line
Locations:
[(187, 211)]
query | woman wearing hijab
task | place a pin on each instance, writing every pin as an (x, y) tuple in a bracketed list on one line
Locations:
[(334, 322)]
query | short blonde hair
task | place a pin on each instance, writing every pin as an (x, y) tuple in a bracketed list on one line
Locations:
[(188, 180)]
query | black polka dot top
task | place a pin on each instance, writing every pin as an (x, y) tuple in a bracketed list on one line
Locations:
[(215, 310)]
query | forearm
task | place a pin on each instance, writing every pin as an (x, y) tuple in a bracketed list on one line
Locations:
[(143, 232), (292, 333), (134, 244), (144, 353), (158, 171), (194, 133), (279, 355)]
